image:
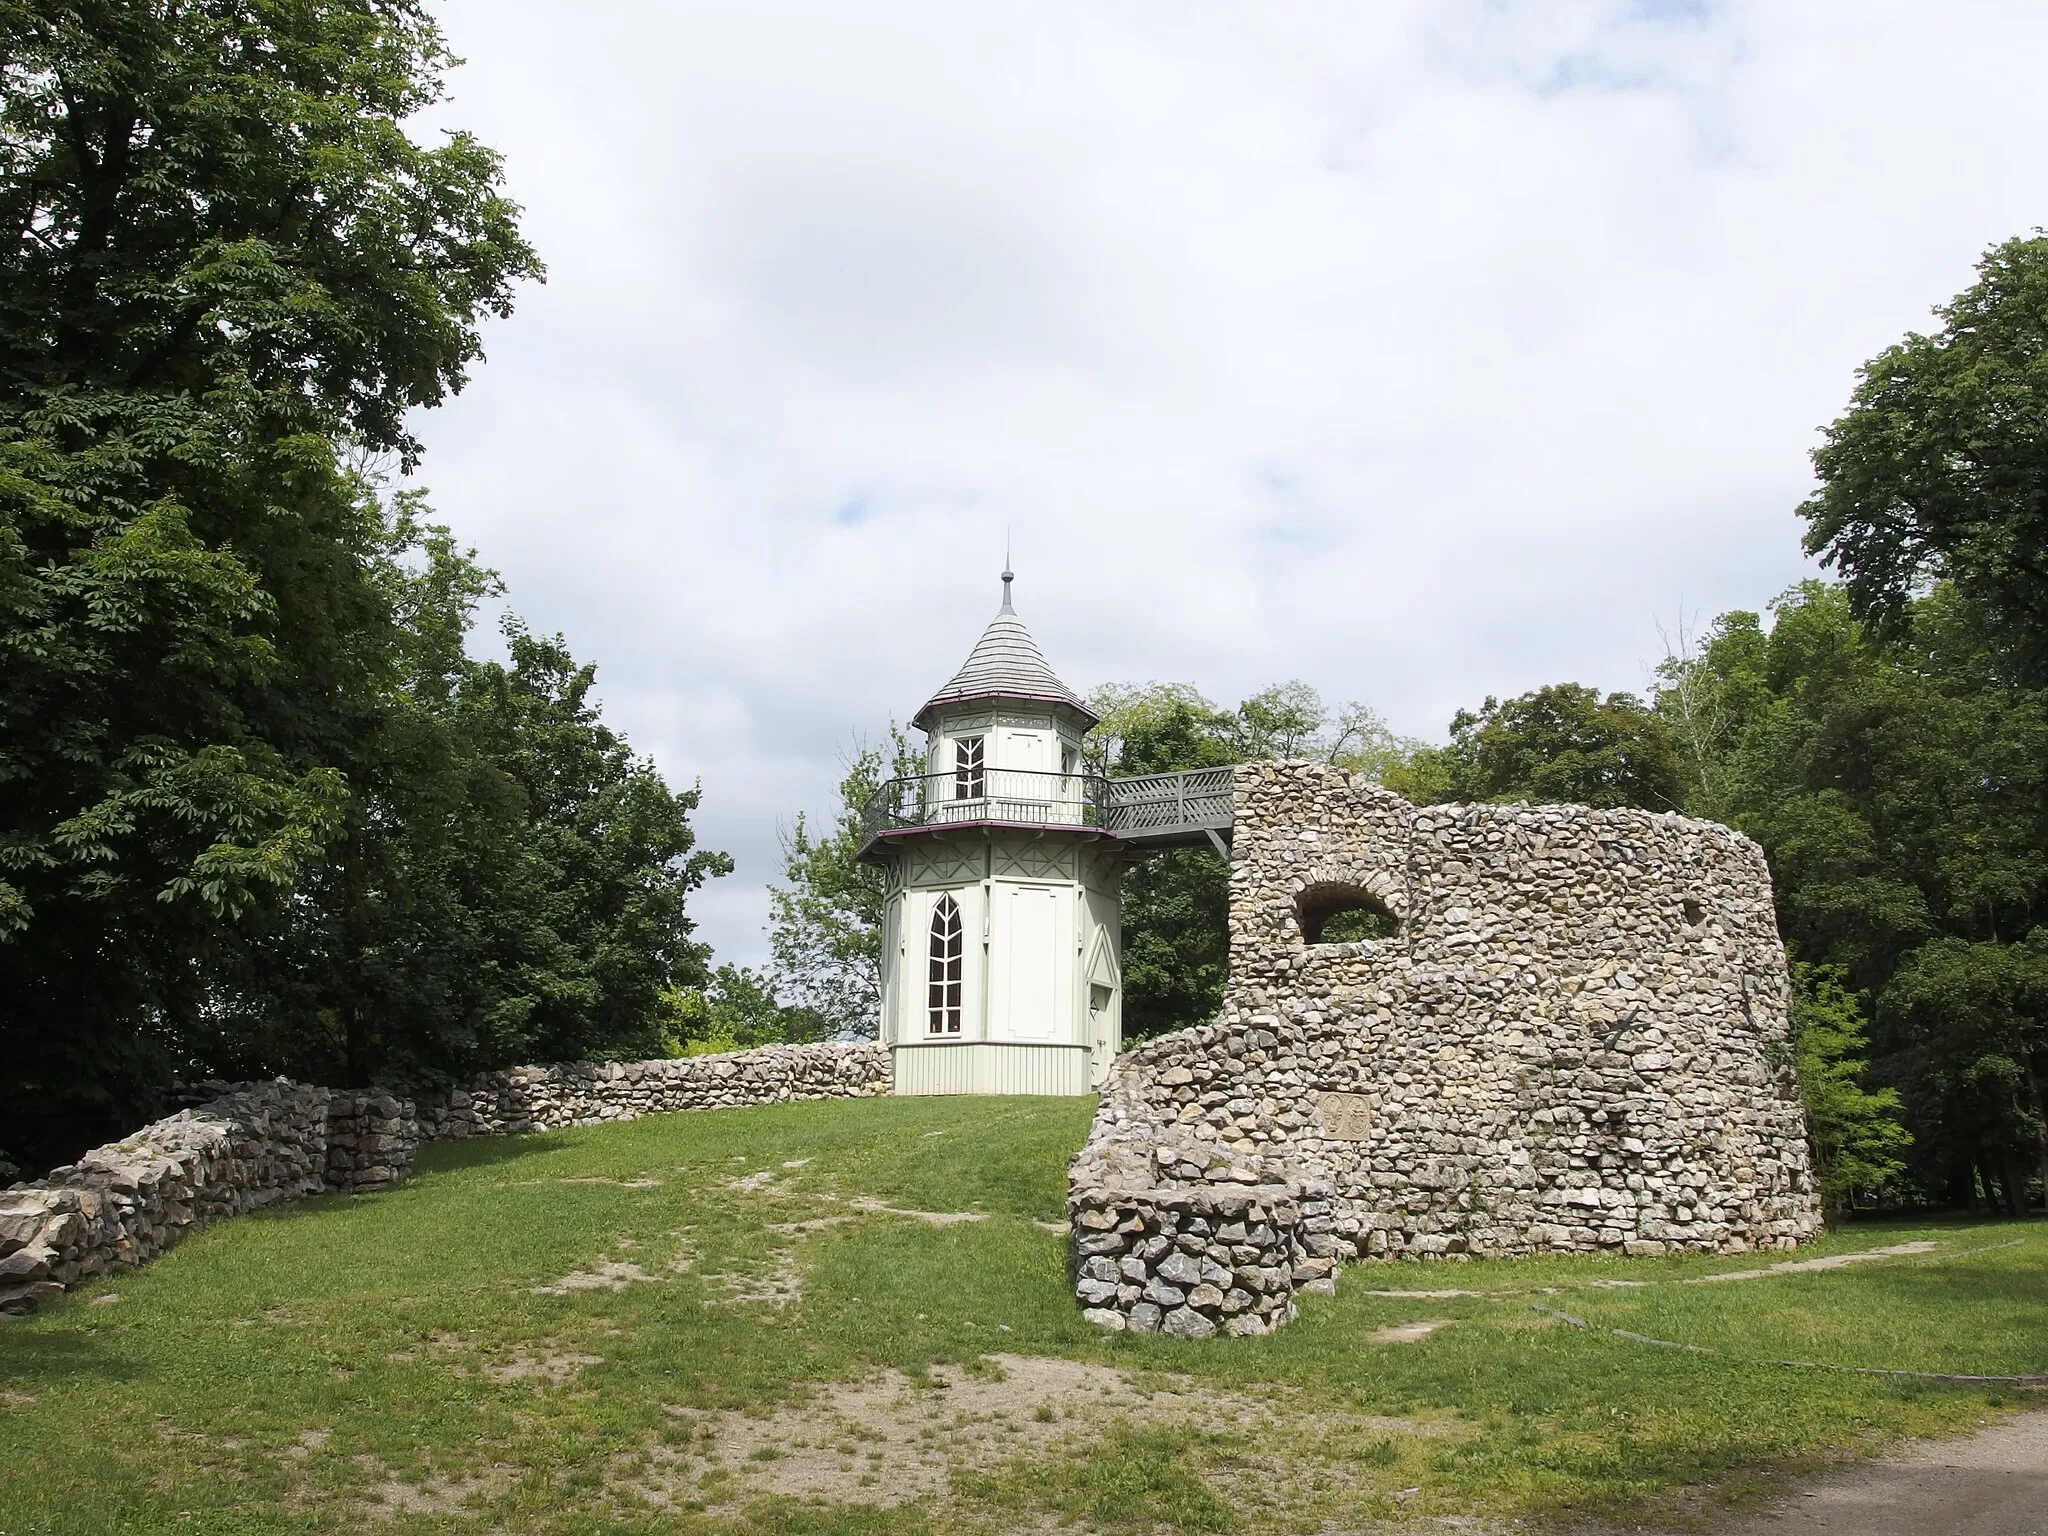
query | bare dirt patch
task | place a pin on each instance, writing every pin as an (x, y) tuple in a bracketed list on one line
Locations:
[(893, 1439), (1427, 1295), (609, 1275), (1810, 1266), (550, 1365), (435, 1494), (777, 1287), (1407, 1333), (12, 1399), (874, 1207)]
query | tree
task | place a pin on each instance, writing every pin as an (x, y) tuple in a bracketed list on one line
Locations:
[(1176, 903), (1853, 1131), (737, 1009), (261, 812), (825, 921), (1939, 468), (1898, 782), (1563, 744), (1975, 1021)]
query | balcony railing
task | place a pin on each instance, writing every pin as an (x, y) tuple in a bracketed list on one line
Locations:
[(1011, 796), (1153, 808), (1159, 805)]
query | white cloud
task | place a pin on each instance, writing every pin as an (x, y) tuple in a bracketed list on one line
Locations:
[(1422, 350)]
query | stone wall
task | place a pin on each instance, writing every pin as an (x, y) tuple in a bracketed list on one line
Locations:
[(242, 1146), (248, 1146), (593, 1093), (1575, 1041)]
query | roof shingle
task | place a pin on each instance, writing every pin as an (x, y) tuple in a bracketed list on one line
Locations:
[(1005, 664)]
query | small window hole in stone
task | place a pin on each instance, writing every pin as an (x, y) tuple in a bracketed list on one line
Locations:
[(1695, 914), (1343, 914)]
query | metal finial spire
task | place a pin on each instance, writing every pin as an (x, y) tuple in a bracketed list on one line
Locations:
[(1008, 577)]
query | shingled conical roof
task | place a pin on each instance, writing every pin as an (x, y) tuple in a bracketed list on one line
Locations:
[(1005, 664)]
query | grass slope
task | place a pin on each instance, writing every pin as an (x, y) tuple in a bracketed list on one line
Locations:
[(409, 1361)]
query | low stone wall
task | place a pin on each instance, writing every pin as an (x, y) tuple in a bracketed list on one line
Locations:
[(243, 1146), (595, 1093), (1191, 1262), (250, 1145), (1571, 1036)]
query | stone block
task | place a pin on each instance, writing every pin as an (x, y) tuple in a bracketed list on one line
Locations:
[(1186, 1323)]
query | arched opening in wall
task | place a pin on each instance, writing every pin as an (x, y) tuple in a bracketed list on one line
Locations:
[(1343, 914)]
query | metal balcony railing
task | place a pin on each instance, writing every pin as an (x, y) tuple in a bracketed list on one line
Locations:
[(1010, 796), (1153, 808)]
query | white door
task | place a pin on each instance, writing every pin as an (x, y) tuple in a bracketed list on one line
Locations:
[(1105, 1013), (1034, 956)]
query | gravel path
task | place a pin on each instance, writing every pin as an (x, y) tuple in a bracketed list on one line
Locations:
[(1992, 1484)]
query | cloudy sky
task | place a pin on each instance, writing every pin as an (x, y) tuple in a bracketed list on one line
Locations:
[(1421, 351)]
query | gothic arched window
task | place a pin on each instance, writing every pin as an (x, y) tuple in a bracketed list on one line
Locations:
[(943, 992)]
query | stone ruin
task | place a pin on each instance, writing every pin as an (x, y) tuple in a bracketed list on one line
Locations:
[(239, 1147), (1571, 1036)]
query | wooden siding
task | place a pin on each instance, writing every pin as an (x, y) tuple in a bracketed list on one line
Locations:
[(1059, 1071)]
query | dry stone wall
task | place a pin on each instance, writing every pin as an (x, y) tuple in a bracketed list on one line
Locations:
[(248, 1146), (594, 1093), (1576, 1041), (242, 1146)]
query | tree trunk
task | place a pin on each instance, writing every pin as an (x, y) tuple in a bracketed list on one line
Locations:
[(2041, 1119), (2015, 1186)]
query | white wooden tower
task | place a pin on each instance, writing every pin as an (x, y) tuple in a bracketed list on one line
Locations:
[(1001, 970)]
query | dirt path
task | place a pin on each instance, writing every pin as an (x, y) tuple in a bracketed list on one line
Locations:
[(1992, 1484)]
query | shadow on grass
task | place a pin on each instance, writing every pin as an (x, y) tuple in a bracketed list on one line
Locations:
[(485, 1151), (32, 1356)]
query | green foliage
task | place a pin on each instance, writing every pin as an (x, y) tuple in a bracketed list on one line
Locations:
[(1939, 468), (1899, 786), (1359, 923), (260, 811), (1560, 745), (1176, 917), (1854, 1133), (222, 222), (1174, 726), (825, 922), (1973, 1029), (735, 1010)]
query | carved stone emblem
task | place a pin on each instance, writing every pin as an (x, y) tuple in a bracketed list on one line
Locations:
[(1345, 1116)]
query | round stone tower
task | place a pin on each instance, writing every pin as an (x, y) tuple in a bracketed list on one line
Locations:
[(1000, 955)]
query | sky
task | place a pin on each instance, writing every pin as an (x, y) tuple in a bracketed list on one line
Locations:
[(1420, 351)]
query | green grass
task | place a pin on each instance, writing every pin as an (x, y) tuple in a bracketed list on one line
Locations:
[(383, 1362)]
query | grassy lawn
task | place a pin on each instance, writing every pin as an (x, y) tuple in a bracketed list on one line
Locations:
[(777, 1320)]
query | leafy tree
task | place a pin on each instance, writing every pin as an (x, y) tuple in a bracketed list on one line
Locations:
[(1939, 468), (825, 920), (1176, 903), (1899, 785), (261, 812), (1853, 1131), (1563, 745), (736, 1010), (1974, 1025)]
